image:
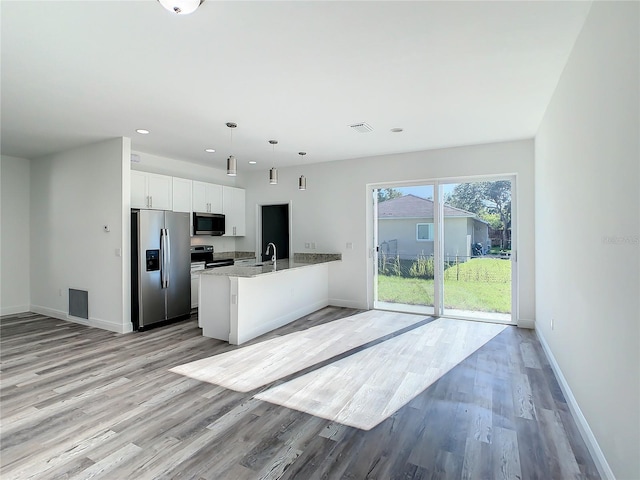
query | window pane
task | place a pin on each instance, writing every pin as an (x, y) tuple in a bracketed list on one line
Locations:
[(425, 231)]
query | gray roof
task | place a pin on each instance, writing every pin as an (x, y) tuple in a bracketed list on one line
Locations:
[(411, 206)]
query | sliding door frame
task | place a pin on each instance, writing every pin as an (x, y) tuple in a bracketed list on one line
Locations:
[(438, 188)]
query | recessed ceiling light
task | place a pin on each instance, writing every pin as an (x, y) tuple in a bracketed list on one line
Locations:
[(142, 131), (397, 130), (252, 162), (209, 150)]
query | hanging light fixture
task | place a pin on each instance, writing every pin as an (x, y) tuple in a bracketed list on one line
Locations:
[(232, 169), (302, 181), (181, 7), (273, 173)]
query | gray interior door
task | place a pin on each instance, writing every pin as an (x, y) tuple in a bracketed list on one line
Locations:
[(152, 296), (179, 289)]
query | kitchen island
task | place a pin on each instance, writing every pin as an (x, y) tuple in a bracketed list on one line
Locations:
[(239, 303)]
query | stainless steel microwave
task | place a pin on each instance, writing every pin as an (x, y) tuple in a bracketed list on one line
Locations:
[(208, 224)]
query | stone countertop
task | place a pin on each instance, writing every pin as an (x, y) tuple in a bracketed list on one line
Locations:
[(267, 267)]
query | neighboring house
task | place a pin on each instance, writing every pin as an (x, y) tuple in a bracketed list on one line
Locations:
[(405, 227)]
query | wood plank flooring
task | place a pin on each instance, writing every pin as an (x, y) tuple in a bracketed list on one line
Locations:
[(78, 402)]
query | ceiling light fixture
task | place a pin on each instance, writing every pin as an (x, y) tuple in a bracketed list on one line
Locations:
[(142, 131), (252, 162), (273, 173), (232, 167), (302, 181), (396, 130), (181, 7), (209, 150)]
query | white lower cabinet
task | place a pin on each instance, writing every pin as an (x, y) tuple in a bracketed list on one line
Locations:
[(195, 280)]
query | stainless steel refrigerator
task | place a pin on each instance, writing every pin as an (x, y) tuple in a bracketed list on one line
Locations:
[(160, 267)]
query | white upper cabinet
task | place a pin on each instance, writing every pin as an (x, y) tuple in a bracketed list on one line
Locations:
[(207, 197), (233, 203), (181, 195), (150, 190), (138, 189)]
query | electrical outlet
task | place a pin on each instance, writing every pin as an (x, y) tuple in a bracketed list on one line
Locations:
[(349, 246), (307, 245), (313, 245)]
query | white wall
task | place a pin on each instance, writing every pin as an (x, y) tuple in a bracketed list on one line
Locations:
[(588, 229), (179, 168), (334, 209), (73, 194), (14, 235)]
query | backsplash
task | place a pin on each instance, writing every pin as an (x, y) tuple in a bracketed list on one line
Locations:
[(220, 244), (316, 257)]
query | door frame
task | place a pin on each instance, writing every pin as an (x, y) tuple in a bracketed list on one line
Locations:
[(438, 183), (258, 247)]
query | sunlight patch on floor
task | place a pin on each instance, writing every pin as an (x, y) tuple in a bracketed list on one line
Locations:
[(253, 366), (367, 387)]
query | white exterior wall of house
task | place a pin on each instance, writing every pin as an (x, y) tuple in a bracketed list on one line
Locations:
[(15, 296), (588, 273), (456, 229), (404, 231), (480, 233), (455, 238)]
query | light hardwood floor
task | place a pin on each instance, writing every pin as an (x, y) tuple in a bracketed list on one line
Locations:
[(78, 402)]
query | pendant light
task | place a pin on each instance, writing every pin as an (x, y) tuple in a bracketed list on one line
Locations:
[(232, 169), (273, 173), (302, 181), (181, 7)]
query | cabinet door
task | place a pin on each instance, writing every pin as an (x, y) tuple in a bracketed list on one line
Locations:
[(214, 197), (138, 189), (181, 195), (206, 197), (159, 188), (195, 280), (234, 210), (199, 197)]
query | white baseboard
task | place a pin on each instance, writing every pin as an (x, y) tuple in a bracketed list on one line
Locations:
[(339, 302), (92, 322), (585, 430), (14, 309), (50, 312)]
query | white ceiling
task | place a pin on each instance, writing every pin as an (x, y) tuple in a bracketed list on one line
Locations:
[(448, 73)]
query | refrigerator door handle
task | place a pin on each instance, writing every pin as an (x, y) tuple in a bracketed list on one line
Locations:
[(168, 256), (163, 258)]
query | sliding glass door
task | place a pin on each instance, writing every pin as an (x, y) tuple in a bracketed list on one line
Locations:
[(477, 264), (405, 248), (444, 248)]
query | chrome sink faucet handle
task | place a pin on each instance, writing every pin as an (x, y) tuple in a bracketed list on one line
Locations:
[(273, 257)]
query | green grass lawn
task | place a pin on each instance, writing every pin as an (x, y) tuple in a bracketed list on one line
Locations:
[(482, 284)]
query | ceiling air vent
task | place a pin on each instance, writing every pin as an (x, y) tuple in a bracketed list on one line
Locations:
[(362, 127)]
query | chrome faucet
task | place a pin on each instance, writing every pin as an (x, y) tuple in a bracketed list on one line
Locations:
[(273, 257)]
